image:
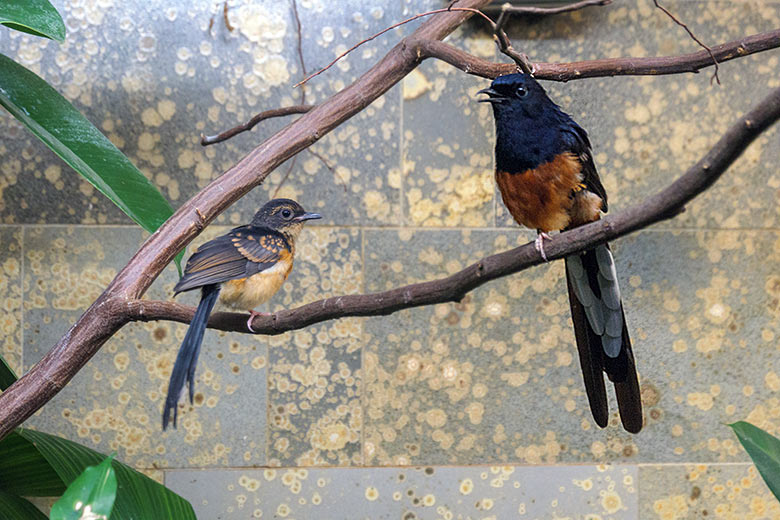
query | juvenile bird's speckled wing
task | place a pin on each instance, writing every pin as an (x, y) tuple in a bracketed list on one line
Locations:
[(242, 252)]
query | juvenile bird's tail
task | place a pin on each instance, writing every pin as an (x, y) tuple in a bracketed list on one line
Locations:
[(187, 358), (602, 337)]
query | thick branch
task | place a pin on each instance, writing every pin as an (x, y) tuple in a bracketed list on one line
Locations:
[(650, 66), (663, 205)]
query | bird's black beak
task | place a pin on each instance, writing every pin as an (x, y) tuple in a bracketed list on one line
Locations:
[(494, 96), (307, 216)]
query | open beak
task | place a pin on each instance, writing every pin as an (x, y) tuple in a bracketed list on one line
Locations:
[(493, 96), (307, 216)]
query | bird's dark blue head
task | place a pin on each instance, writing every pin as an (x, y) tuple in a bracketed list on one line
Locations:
[(529, 126)]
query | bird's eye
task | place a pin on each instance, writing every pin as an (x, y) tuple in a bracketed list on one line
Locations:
[(286, 213), (521, 91)]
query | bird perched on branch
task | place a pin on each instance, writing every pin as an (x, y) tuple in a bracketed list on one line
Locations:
[(548, 181), (244, 268)]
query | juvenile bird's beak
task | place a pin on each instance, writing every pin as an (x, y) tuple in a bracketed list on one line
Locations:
[(494, 96), (307, 216)]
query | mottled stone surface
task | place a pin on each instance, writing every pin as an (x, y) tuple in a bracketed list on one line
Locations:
[(607, 492), (698, 491), (314, 384), (11, 297), (407, 195)]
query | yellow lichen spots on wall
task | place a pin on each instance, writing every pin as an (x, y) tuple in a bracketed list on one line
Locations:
[(371, 493), (772, 381), (415, 84), (611, 502), (376, 205), (671, 508), (515, 379), (701, 400)]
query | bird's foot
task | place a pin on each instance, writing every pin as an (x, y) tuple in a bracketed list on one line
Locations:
[(252, 314), (539, 243)]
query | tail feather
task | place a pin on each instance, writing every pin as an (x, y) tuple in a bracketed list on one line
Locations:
[(187, 358), (602, 336)]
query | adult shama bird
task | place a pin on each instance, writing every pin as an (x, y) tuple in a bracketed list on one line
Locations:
[(548, 181), (244, 268)]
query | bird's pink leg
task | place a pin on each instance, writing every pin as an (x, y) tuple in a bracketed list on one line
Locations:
[(539, 243), (252, 314)]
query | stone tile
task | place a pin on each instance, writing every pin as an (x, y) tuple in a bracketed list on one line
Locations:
[(11, 297), (447, 141), (314, 379), (607, 492), (496, 377), (703, 310), (704, 491), (646, 131), (115, 402)]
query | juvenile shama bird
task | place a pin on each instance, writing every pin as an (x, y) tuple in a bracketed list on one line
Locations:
[(244, 268), (548, 181)]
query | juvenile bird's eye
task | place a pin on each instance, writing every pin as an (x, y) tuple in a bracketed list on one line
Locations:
[(286, 213), (521, 91)]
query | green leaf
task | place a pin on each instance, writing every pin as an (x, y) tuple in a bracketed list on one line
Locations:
[(17, 508), (37, 17), (70, 135), (7, 376), (91, 495), (764, 449), (24, 471), (137, 495)]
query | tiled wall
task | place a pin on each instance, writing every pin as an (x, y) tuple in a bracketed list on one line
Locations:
[(469, 410)]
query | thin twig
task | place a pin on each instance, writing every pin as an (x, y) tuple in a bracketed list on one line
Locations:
[(505, 45), (663, 205), (395, 26), (693, 36), (521, 10), (225, 17), (206, 140), (333, 170)]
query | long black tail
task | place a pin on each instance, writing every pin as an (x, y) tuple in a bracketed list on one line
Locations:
[(602, 336), (187, 358)]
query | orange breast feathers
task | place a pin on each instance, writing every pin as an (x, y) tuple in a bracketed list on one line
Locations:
[(248, 293), (550, 197)]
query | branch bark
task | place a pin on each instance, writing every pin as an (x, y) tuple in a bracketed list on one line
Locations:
[(650, 66), (663, 205), (114, 307)]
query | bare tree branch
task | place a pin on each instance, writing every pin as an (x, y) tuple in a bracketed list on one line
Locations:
[(206, 140), (661, 206), (649, 66)]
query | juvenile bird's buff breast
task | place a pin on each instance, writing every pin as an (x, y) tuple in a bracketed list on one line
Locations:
[(248, 293)]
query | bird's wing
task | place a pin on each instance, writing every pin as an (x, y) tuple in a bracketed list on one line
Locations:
[(576, 141), (241, 253)]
